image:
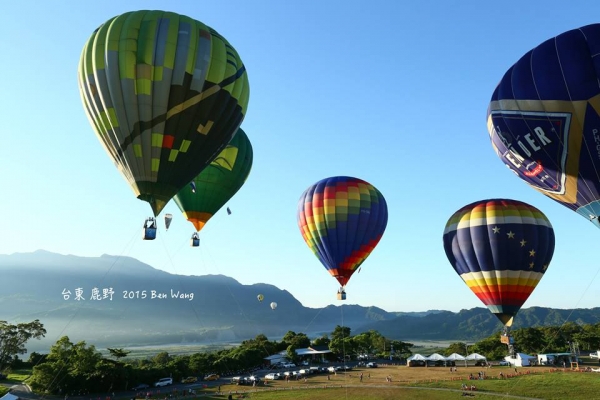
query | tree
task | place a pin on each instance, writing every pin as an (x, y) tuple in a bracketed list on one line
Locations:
[(118, 353), (402, 349), (298, 340), (288, 337), (340, 332), (529, 340), (291, 353), (14, 337), (36, 358), (342, 347), (322, 341), (490, 347), (364, 342), (77, 368), (458, 347), (161, 359)]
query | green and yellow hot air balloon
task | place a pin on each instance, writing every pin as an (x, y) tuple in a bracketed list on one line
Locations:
[(165, 94), (217, 183)]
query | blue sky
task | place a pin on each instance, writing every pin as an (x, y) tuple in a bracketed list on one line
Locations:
[(392, 92)]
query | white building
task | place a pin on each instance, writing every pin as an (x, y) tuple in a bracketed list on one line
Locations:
[(521, 360)]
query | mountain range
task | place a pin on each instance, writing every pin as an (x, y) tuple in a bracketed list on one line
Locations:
[(152, 307)]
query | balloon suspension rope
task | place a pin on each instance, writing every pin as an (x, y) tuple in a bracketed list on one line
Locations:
[(516, 382), (55, 380), (344, 348), (248, 320), (194, 309)]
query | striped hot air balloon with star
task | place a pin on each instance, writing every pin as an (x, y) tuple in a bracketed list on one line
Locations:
[(501, 249)]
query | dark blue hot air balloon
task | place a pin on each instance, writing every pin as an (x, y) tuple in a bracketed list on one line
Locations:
[(501, 249), (544, 119)]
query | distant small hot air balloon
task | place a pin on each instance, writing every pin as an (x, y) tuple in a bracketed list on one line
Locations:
[(341, 220), (501, 249), (273, 305), (260, 297), (168, 219)]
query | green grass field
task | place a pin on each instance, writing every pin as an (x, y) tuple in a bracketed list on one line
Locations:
[(428, 383), (17, 376), (144, 352)]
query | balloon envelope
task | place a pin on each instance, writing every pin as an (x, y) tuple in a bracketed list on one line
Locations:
[(501, 249), (218, 182), (273, 305), (543, 120), (260, 297), (168, 219), (341, 220), (164, 94)]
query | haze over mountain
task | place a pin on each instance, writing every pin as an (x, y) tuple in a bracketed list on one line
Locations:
[(209, 308)]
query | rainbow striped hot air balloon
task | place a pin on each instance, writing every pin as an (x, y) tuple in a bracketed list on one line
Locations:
[(501, 249), (342, 219)]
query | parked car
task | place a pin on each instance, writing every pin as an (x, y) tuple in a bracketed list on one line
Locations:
[(163, 382), (189, 379), (333, 369), (372, 365), (504, 363), (211, 377), (140, 386), (272, 376), (239, 380)]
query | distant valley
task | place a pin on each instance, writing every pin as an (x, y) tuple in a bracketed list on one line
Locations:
[(209, 309)]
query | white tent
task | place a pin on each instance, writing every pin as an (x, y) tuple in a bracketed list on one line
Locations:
[(475, 356), (415, 357), (455, 357), (436, 357)]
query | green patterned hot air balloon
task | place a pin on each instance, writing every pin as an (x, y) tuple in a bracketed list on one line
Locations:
[(165, 94), (217, 183)]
